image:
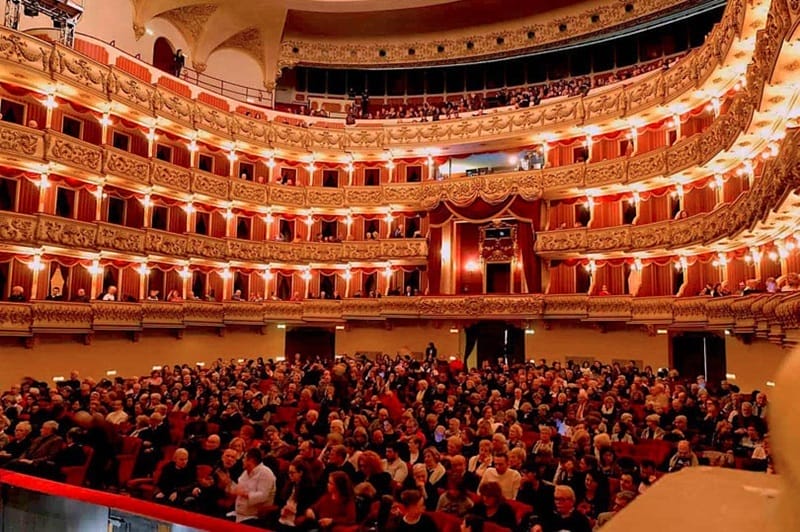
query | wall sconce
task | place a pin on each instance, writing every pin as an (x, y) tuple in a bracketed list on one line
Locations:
[(143, 269), (306, 275), (95, 268), (50, 101), (347, 275), (36, 264), (472, 266), (226, 273), (268, 217), (591, 267), (185, 273), (151, 134), (637, 264), (44, 181), (189, 208), (387, 272), (267, 274), (271, 163), (193, 146), (105, 120)]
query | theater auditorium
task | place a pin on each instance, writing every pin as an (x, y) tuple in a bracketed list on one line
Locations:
[(431, 265)]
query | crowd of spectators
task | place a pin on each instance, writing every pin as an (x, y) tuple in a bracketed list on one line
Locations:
[(475, 104), (390, 444), (784, 283)]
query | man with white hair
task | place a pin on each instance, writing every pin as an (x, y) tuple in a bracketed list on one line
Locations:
[(41, 450), (177, 480), (566, 516)]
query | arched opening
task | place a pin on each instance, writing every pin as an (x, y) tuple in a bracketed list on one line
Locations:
[(164, 55)]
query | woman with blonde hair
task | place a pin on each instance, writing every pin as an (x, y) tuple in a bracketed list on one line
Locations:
[(370, 470)]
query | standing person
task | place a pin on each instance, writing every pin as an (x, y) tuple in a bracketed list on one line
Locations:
[(178, 63), (430, 352), (254, 489)]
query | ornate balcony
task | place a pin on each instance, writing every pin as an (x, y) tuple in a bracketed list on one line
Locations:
[(44, 61), (44, 230), (774, 317)]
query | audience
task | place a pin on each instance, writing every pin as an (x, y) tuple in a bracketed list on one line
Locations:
[(305, 445)]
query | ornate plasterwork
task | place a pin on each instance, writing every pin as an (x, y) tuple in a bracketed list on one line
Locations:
[(121, 88), (248, 40), (190, 20), (773, 317), (524, 36)]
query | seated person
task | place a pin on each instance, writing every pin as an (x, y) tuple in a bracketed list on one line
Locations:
[(493, 506), (412, 514), (177, 480)]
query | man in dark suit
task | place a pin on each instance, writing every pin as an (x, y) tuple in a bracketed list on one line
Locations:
[(41, 451), (22, 440), (177, 480)]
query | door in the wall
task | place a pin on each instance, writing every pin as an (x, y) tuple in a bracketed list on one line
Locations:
[(699, 353), (310, 342), (498, 340)]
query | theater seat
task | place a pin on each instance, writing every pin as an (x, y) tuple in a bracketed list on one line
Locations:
[(76, 475), (445, 522), (126, 460), (521, 510)]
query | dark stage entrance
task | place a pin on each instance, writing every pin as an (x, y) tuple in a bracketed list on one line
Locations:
[(310, 342)]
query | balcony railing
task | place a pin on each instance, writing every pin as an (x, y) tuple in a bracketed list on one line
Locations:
[(42, 229), (775, 317), (44, 62)]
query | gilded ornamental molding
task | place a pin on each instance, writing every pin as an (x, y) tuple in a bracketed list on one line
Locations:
[(53, 61), (773, 317), (45, 230)]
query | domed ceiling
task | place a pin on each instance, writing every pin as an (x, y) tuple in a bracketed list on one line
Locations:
[(388, 33)]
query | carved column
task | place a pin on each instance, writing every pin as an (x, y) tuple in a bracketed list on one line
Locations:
[(448, 248)]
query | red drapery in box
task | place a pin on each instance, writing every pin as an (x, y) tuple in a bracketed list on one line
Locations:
[(480, 210), (435, 260), (612, 276), (530, 262), (562, 278), (656, 280)]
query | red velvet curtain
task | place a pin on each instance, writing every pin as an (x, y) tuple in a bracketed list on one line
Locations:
[(435, 260), (530, 262), (218, 225), (215, 283), (656, 280), (793, 261), (650, 140), (562, 278), (699, 200), (21, 275), (733, 187), (562, 215), (87, 205), (28, 196), (129, 285), (698, 275), (79, 278), (607, 214), (653, 209), (612, 276), (696, 124), (738, 271), (769, 267)]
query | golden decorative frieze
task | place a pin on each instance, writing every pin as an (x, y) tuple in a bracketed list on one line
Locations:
[(243, 313), (128, 90), (57, 316), (690, 310), (74, 152), (164, 243), (17, 140), (245, 250), (210, 185), (206, 247), (116, 316), (333, 197), (652, 309), (609, 308), (15, 318), (17, 228), (170, 176), (772, 316), (211, 119), (74, 67), (720, 312), (203, 313), (119, 238), (363, 196), (65, 232), (287, 195), (565, 305), (128, 166), (249, 192), (162, 315)]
